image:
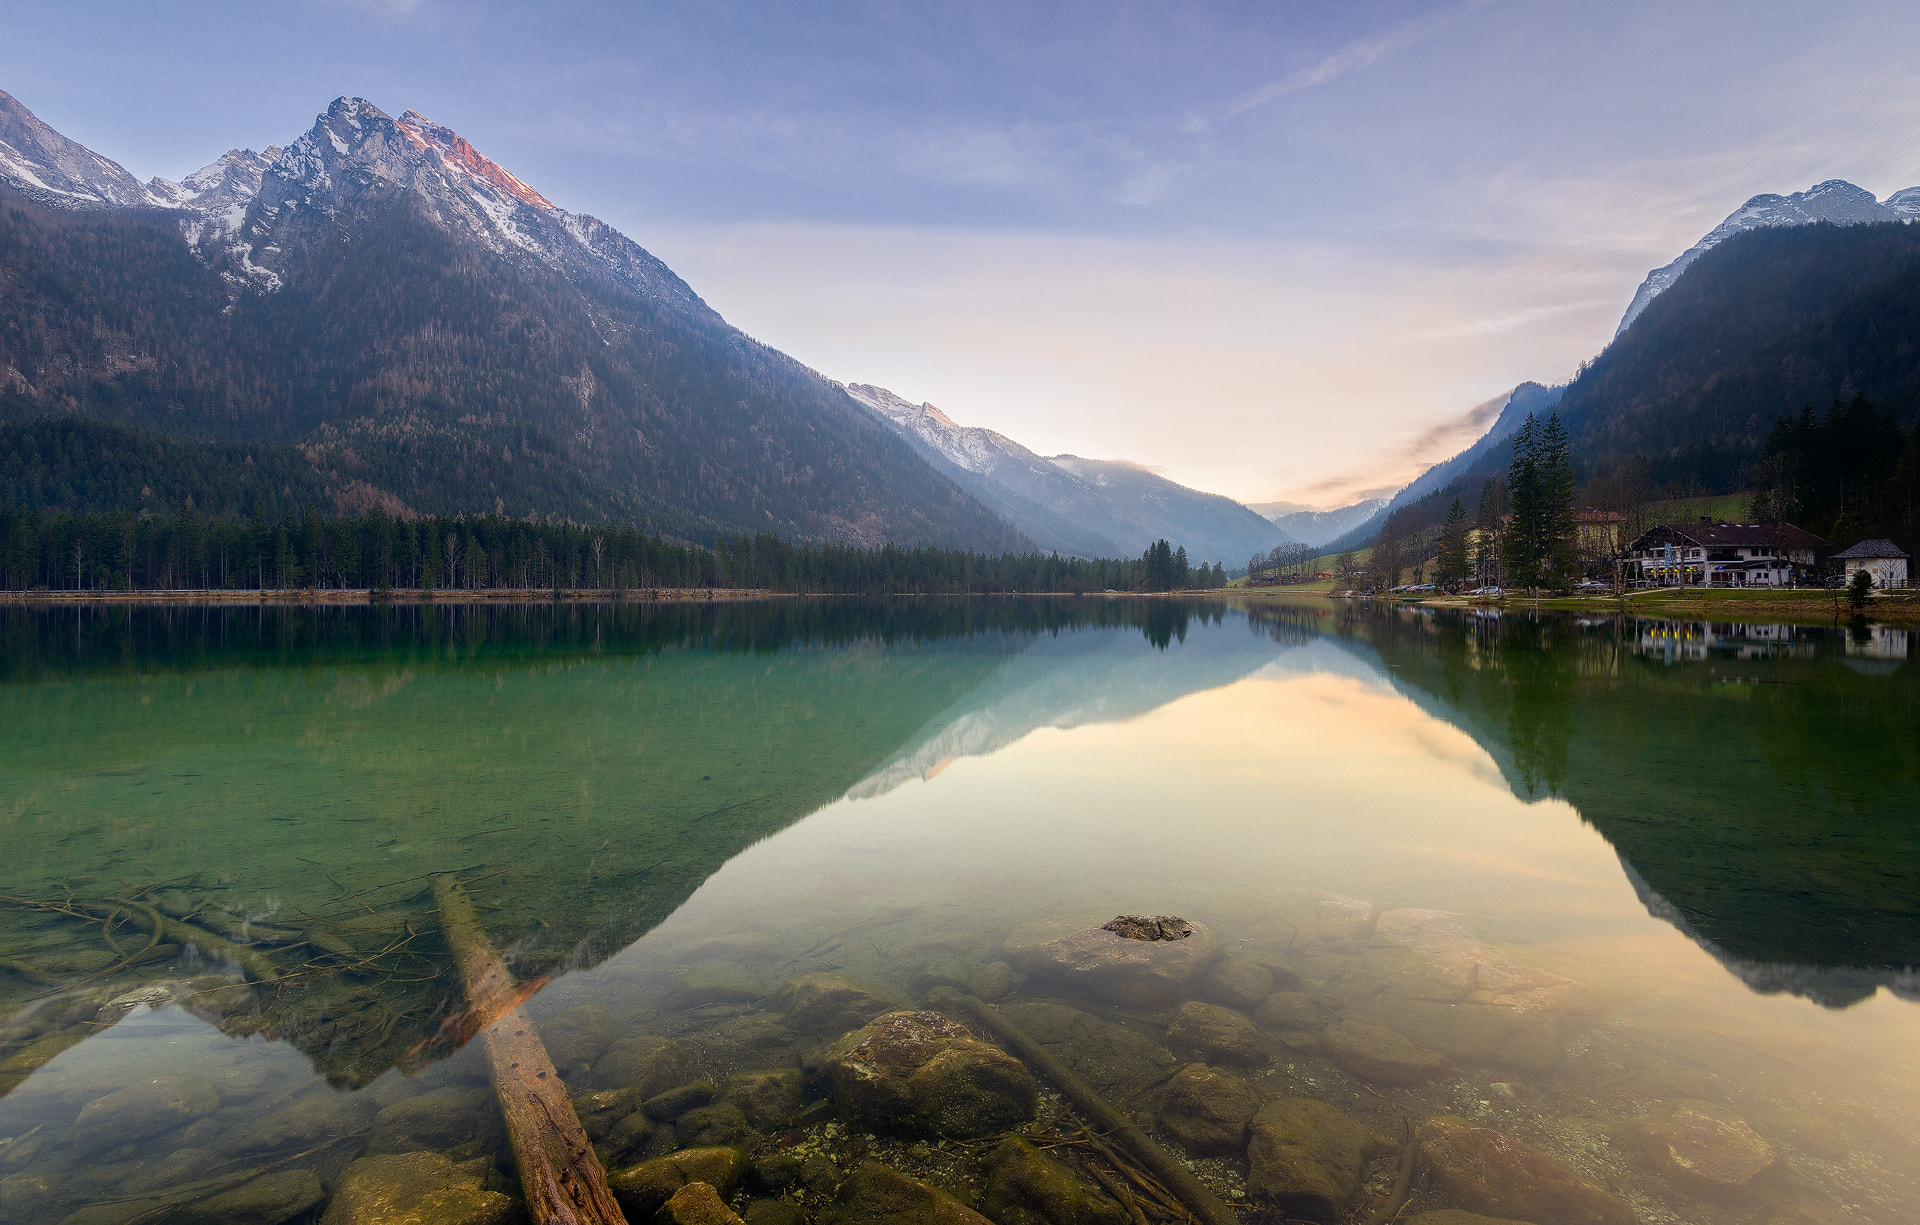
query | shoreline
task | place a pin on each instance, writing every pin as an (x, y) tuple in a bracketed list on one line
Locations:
[(1814, 607), (398, 595)]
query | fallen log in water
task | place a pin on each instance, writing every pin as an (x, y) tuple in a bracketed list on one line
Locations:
[(1176, 1177), (559, 1173)]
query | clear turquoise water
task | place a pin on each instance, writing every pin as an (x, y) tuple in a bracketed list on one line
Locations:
[(1707, 831)]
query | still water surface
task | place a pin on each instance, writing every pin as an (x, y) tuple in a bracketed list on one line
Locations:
[(1558, 878)]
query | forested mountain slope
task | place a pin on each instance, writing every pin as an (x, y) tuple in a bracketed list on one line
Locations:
[(431, 332), (1760, 326)]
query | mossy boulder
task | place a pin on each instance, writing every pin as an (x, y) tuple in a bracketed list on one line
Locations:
[(1115, 1060), (668, 1106), (1376, 1053), (279, 1196), (417, 1189), (460, 1122), (875, 1194), (1489, 1172), (768, 1098), (143, 1109), (1112, 961), (718, 982), (1238, 982), (697, 1203), (576, 1038), (1026, 1187), (1307, 1158), (1212, 1034), (645, 1188), (1206, 1110), (919, 1073), (646, 1063), (717, 1126), (826, 1004)]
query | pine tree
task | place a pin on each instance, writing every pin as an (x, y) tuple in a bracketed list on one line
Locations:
[(1453, 546), (1559, 531), (1520, 549)]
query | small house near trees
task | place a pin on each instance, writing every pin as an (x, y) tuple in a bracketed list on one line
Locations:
[(1882, 559), (1723, 555)]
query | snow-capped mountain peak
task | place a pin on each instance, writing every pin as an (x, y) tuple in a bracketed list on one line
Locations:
[(459, 156), (1835, 201)]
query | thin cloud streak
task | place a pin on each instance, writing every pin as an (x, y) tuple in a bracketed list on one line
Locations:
[(1359, 54)]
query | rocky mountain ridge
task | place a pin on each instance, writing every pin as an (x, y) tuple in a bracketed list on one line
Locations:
[(433, 333), (1835, 201)]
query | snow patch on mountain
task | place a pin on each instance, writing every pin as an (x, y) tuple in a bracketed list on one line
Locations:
[(1835, 201), (58, 171)]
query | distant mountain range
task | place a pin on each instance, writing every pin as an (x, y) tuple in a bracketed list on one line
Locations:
[(378, 314), (1317, 527), (1088, 507)]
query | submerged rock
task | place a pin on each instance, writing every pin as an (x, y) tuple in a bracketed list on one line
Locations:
[(718, 982), (992, 981), (143, 1109), (675, 1102), (1207, 1111), (646, 1063), (775, 1212), (417, 1189), (1026, 1187), (918, 1073), (1708, 1151), (1489, 1035), (577, 1037), (463, 1122), (600, 1112), (273, 1197), (827, 1003), (1213, 1034), (1376, 1053), (697, 1203), (1292, 1012), (1489, 1172), (1454, 1216), (308, 1120), (875, 1194), (941, 971), (768, 1099), (1115, 1060), (1306, 1158), (1138, 972), (645, 1188), (1238, 983), (714, 1127)]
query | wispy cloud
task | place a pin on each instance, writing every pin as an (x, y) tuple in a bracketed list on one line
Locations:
[(1359, 54), (1467, 426)]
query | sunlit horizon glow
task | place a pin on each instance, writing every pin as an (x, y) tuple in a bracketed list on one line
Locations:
[(1280, 253)]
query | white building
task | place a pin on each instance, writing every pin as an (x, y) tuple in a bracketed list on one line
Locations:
[(1723, 555), (1880, 558)]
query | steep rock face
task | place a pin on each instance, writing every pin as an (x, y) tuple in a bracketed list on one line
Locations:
[(1087, 507), (420, 322), (54, 170), (1836, 201)]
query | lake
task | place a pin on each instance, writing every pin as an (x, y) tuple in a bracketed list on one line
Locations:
[(1632, 907)]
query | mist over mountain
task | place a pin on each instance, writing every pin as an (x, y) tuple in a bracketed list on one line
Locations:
[(1087, 507), (431, 333)]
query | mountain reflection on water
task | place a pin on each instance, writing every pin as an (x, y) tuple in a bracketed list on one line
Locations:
[(1757, 781), (221, 825), (294, 774)]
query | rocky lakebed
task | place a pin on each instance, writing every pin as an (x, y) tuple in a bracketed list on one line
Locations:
[(1318, 1059)]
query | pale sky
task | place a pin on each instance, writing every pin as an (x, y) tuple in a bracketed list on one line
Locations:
[(1279, 251)]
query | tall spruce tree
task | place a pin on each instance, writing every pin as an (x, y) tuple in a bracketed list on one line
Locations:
[(1559, 531), (1520, 550), (1487, 521), (1452, 567)]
